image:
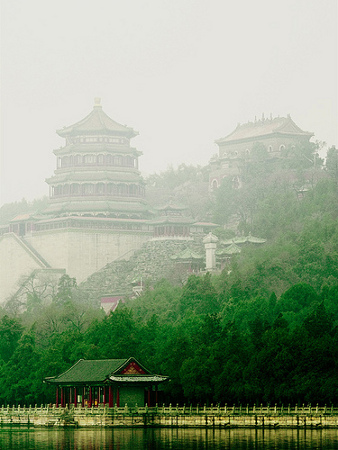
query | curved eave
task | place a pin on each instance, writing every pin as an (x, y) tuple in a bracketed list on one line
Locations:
[(136, 379), (88, 176), (98, 148), (226, 141)]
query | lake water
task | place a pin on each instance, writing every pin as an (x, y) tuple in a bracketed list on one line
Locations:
[(135, 439)]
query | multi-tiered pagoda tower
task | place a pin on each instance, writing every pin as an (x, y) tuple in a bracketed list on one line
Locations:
[(97, 171), (97, 212)]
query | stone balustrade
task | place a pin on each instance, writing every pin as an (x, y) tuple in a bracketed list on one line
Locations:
[(172, 416)]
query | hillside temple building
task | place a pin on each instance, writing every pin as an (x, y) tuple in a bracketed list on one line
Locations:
[(275, 134)]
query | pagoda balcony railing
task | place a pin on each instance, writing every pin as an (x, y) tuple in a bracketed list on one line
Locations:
[(91, 196)]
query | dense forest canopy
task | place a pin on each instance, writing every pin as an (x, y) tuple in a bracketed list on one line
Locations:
[(263, 330)]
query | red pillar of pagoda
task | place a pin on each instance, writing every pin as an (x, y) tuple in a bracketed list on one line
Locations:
[(57, 397)]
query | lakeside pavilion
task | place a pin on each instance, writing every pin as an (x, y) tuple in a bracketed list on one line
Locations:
[(108, 382)]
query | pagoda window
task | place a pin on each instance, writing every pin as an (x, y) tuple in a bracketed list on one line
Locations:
[(75, 189), (115, 160), (65, 161), (100, 188), (123, 189), (119, 161), (281, 148), (270, 148), (109, 160), (214, 185), (77, 160), (89, 159), (58, 190), (66, 189), (129, 161), (133, 189), (100, 159), (88, 189), (115, 189)]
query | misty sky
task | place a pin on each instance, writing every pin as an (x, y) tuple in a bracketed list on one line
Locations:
[(182, 73)]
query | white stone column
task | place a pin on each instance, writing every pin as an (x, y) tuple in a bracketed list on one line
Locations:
[(210, 243)]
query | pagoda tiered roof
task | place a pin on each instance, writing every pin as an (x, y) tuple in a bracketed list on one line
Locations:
[(87, 175), (97, 122), (96, 205)]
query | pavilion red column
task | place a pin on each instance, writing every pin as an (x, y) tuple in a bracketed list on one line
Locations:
[(98, 395), (70, 396), (57, 397), (118, 397), (83, 396), (110, 397), (62, 397), (90, 397), (75, 397), (156, 394), (104, 395), (148, 396)]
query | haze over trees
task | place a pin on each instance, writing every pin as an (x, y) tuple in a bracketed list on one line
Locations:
[(263, 330)]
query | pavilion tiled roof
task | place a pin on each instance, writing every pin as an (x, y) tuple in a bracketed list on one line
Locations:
[(187, 255), (97, 371), (232, 249), (265, 128), (244, 240), (91, 371), (97, 122)]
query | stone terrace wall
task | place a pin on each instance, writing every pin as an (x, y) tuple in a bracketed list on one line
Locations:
[(172, 417), (151, 263)]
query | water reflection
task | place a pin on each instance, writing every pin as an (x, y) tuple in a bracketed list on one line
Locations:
[(135, 439)]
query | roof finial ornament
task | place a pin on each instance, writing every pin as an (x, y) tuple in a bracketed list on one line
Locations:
[(97, 102)]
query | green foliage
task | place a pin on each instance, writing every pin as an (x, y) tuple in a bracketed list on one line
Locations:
[(264, 330)]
